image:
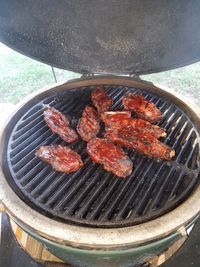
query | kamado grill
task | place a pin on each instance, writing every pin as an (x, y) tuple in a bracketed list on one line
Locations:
[(91, 217)]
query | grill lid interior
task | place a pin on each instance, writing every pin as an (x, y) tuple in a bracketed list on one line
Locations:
[(93, 196), (128, 36)]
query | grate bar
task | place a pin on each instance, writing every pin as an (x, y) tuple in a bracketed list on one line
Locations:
[(96, 211), (172, 121), (113, 205), (184, 144), (49, 188), (26, 124), (175, 188), (86, 208), (194, 159), (22, 135), (55, 198), (25, 168), (31, 115), (146, 196), (172, 136), (124, 210), (66, 199), (74, 205), (160, 193), (38, 137)]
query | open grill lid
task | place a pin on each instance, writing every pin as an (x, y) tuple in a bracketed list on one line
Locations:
[(128, 36)]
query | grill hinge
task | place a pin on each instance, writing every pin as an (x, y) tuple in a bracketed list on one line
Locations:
[(96, 74)]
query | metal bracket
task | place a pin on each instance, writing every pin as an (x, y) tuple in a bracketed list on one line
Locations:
[(96, 74)]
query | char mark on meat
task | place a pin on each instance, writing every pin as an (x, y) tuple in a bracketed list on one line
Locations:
[(61, 158), (112, 157)]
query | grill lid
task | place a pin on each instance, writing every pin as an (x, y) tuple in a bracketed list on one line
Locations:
[(104, 36), (92, 196)]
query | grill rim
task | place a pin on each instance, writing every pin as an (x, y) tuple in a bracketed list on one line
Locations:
[(69, 234)]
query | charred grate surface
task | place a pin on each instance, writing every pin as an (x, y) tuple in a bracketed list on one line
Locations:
[(92, 196)]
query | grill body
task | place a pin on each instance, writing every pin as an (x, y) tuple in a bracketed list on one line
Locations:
[(134, 256), (108, 235)]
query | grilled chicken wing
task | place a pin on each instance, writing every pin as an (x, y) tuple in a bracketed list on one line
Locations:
[(142, 142), (120, 119), (112, 157), (62, 159), (88, 126), (59, 124), (142, 107), (101, 100)]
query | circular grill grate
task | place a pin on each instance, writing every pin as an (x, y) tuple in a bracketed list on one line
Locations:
[(92, 196)]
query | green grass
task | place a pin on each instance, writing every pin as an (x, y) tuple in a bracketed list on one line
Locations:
[(185, 81), (20, 75)]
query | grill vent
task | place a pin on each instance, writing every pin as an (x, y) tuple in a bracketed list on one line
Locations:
[(92, 196)]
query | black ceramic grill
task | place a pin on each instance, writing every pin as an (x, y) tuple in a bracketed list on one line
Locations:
[(92, 196)]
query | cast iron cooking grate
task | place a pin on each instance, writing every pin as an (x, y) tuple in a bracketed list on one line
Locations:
[(92, 196)]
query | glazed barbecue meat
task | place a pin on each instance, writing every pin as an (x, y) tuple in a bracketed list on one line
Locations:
[(88, 126), (101, 100), (142, 142), (62, 159), (146, 127), (112, 157), (116, 118), (59, 124), (120, 119), (142, 107)]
